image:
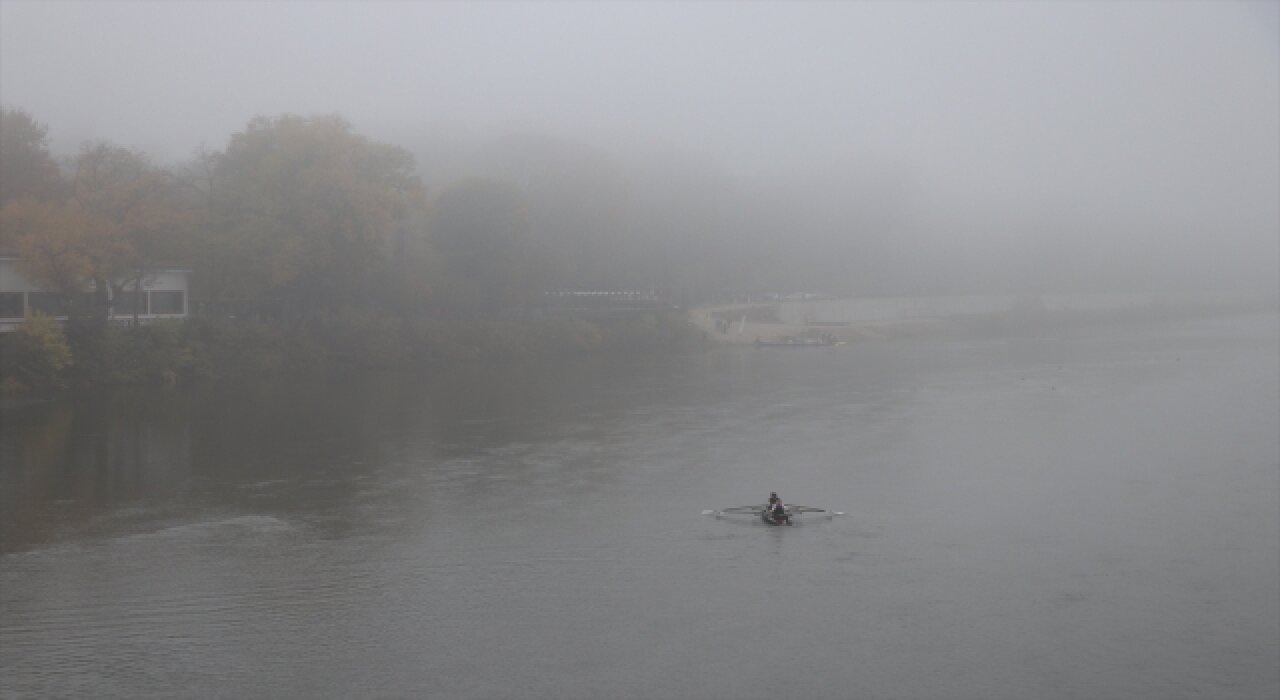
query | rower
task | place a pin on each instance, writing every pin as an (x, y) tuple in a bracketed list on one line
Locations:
[(777, 510)]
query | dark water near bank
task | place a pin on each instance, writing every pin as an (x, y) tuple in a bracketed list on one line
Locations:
[(1083, 514)]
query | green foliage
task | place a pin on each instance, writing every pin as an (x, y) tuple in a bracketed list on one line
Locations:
[(224, 348), (39, 357), (158, 353), (34, 357)]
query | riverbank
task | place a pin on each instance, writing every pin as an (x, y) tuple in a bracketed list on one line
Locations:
[(745, 324), (738, 324), (43, 356)]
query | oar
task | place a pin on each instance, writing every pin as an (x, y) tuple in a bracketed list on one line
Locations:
[(806, 509), (811, 509)]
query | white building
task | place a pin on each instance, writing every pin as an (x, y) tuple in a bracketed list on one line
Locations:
[(163, 295)]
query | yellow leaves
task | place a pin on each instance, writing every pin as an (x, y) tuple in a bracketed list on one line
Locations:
[(301, 210), (317, 203), (53, 240), (125, 194), (120, 216)]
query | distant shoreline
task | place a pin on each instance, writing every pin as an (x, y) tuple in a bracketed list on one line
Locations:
[(748, 331), (744, 324)]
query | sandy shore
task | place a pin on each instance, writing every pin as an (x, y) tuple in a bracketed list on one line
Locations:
[(749, 332)]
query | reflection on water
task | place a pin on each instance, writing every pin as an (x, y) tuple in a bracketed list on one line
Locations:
[(66, 461), (1074, 514)]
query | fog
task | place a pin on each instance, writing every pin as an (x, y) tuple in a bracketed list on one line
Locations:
[(874, 147)]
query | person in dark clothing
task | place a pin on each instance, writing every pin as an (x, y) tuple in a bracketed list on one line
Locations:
[(777, 510)]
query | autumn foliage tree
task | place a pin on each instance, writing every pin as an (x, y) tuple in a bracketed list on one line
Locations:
[(116, 222), (308, 242), (305, 214)]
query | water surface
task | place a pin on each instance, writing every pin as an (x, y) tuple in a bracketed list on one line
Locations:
[(1084, 513)]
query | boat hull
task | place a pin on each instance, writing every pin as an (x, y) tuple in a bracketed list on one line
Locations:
[(770, 520)]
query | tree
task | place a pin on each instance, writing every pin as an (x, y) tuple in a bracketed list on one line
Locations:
[(26, 168), (117, 222), (34, 356), (480, 229), (135, 205), (197, 181), (305, 213), (576, 201)]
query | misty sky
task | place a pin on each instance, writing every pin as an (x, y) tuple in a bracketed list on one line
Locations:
[(1157, 114)]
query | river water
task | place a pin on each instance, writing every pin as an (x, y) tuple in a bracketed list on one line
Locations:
[(1086, 513)]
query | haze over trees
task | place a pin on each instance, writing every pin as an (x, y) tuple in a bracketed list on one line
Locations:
[(111, 220), (302, 214), (27, 169), (307, 228), (856, 149)]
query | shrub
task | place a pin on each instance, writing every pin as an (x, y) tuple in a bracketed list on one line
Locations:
[(36, 356), (237, 347), (158, 353)]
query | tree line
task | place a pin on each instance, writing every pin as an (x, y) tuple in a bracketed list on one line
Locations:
[(300, 228)]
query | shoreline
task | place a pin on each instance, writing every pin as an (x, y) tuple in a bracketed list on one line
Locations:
[(747, 332), (767, 325)]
